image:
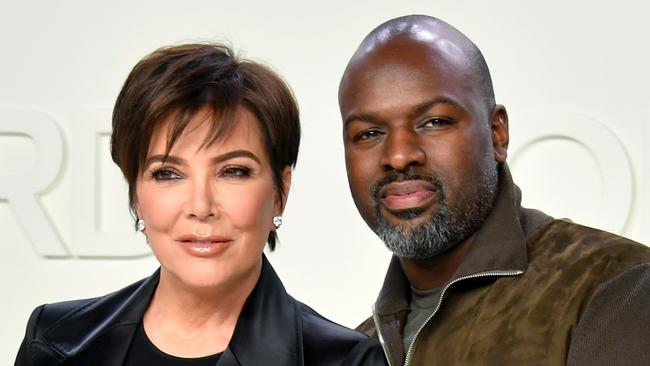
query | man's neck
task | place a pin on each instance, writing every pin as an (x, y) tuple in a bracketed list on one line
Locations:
[(425, 274)]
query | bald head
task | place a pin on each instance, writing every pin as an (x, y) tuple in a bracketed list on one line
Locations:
[(448, 47), (422, 135)]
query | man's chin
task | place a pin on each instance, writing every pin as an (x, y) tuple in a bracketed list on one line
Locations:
[(410, 218), (425, 257), (417, 238), (412, 213)]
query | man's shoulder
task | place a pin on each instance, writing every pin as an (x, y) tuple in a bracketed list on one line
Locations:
[(571, 242), (613, 328)]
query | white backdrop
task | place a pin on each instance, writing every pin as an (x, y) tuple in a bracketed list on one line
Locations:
[(573, 75)]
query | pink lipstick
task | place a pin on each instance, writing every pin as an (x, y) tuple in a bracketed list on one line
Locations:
[(203, 246)]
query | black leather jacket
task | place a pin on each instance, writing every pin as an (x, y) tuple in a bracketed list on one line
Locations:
[(273, 329)]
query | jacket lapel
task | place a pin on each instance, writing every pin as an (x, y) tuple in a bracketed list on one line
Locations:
[(269, 329), (390, 312), (500, 242), (228, 359)]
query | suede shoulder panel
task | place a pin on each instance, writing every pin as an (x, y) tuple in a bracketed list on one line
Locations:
[(528, 319)]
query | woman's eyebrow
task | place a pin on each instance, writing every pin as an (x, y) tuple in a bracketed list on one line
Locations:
[(164, 159), (217, 159), (235, 154)]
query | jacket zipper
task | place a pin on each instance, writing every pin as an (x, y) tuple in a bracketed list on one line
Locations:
[(409, 353)]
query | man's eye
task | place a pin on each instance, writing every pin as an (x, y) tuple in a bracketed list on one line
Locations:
[(367, 135), (236, 172), (164, 174), (436, 122)]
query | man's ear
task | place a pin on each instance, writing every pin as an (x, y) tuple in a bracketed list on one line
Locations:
[(500, 135), (281, 200)]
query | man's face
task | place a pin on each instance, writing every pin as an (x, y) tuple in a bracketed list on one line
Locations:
[(418, 146)]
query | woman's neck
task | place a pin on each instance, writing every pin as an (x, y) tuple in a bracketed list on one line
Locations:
[(186, 321)]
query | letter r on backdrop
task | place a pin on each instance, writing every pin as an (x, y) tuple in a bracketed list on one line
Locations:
[(21, 190)]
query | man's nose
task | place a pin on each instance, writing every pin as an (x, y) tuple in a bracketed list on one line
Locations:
[(402, 149)]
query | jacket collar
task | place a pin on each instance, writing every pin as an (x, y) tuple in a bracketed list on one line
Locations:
[(498, 245), (267, 329)]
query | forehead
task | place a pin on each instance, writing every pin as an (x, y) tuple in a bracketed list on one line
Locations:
[(407, 71)]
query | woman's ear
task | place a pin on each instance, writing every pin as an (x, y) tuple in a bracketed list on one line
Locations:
[(281, 199), (136, 210)]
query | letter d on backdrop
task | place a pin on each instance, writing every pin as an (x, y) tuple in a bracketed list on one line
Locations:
[(89, 126)]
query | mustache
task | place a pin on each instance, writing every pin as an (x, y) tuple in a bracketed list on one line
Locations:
[(405, 176)]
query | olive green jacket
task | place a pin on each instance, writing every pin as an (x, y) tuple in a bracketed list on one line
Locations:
[(531, 290)]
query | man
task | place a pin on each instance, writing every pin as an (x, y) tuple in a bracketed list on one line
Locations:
[(475, 279)]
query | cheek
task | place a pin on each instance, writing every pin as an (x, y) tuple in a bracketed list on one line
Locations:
[(361, 179), (158, 208), (461, 162), (251, 208), (462, 150), (361, 169)]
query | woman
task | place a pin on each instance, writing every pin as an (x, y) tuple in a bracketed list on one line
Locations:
[(206, 143)]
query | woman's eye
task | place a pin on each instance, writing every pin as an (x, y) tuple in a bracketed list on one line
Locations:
[(367, 135), (236, 172), (165, 174)]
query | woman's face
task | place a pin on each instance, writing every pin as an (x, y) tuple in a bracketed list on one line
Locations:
[(208, 209)]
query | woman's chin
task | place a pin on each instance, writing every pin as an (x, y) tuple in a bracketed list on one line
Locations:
[(204, 277)]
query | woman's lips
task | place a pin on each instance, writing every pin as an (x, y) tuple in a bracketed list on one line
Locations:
[(203, 246), (403, 195)]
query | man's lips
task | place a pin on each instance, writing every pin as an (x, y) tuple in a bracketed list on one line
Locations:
[(403, 195)]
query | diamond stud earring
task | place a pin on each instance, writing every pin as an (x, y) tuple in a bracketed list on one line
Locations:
[(140, 225), (277, 221)]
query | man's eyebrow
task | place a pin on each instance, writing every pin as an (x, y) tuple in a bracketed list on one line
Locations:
[(422, 107), (365, 117), (235, 154), (416, 110)]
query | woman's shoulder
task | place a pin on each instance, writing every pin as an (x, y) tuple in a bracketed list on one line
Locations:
[(57, 330), (328, 343), (50, 315), (47, 315)]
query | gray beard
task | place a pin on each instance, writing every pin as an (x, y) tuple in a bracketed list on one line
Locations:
[(446, 228)]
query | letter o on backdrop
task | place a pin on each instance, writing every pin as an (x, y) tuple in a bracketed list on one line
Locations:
[(573, 165)]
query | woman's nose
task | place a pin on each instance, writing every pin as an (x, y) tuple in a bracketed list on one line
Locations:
[(201, 203)]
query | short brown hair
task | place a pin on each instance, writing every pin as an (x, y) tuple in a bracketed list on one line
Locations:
[(177, 82)]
